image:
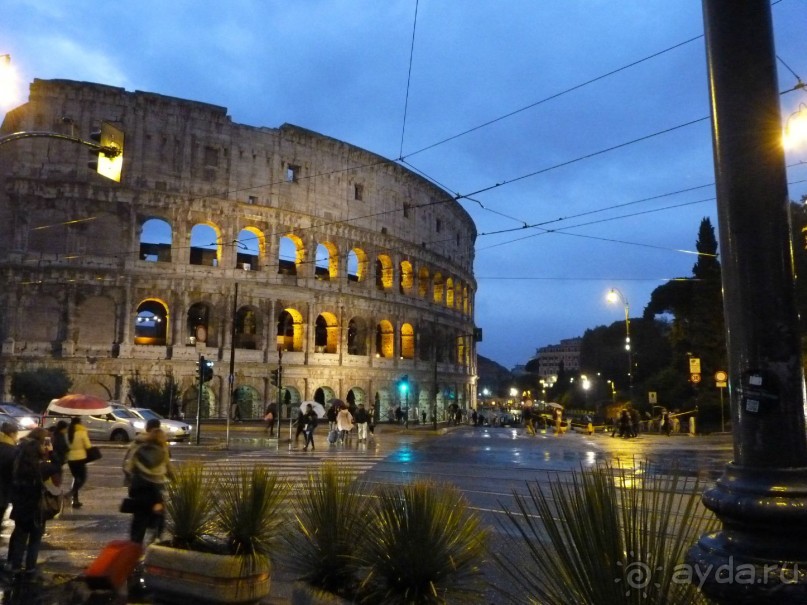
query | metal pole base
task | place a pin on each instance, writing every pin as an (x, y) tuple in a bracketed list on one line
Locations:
[(760, 556)]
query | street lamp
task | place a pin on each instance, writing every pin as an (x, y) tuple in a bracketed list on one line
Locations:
[(8, 82), (586, 384), (616, 296)]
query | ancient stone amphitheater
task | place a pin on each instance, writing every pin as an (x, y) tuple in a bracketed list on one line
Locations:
[(258, 248)]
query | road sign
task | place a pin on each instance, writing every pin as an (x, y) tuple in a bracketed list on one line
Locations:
[(721, 376), (652, 397), (694, 365), (695, 378)]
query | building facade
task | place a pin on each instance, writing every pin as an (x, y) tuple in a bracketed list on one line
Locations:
[(258, 248), (552, 357)]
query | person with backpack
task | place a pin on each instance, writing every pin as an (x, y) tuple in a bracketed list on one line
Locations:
[(147, 468)]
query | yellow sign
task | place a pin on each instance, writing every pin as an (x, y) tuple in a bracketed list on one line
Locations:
[(721, 376), (694, 365), (696, 378)]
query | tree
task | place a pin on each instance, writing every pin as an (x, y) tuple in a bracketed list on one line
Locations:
[(162, 397), (36, 388)]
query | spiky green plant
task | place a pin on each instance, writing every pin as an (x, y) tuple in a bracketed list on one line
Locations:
[(249, 514), (189, 506), (423, 546), (330, 519), (607, 536)]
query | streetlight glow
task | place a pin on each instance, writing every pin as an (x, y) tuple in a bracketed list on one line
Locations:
[(796, 128), (8, 83), (614, 296)]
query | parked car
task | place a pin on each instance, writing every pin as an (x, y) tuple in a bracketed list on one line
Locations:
[(24, 416), (175, 429), (118, 426), (22, 431)]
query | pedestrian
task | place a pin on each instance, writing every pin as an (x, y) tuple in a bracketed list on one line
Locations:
[(310, 421), (344, 424), (362, 418), (79, 441), (624, 424), (147, 468), (300, 423), (474, 418), (666, 424), (8, 452), (371, 421), (269, 418), (31, 469), (423, 414), (58, 438), (528, 423), (331, 415), (398, 415), (635, 421)]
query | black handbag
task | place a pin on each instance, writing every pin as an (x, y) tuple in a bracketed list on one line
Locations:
[(130, 506), (93, 453)]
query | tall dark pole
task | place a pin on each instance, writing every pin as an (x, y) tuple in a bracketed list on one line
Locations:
[(761, 499), (200, 378)]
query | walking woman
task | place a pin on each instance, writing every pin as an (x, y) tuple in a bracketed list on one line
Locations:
[(79, 441)]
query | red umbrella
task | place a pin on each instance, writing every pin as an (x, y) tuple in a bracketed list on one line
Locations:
[(76, 404)]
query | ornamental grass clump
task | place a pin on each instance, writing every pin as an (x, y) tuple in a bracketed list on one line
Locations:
[(423, 545), (603, 536), (329, 523), (249, 514), (189, 508)]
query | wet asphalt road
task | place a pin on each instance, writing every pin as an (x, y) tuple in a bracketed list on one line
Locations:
[(487, 464)]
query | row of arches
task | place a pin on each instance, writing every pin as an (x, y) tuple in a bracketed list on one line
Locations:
[(253, 330), (207, 246)]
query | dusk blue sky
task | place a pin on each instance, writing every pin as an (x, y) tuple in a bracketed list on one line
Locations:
[(528, 79)]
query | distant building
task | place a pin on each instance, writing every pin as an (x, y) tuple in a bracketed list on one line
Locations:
[(551, 357)]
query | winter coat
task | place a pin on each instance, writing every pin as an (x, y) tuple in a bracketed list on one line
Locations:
[(8, 451), (344, 421), (30, 470), (362, 416), (148, 459), (79, 445)]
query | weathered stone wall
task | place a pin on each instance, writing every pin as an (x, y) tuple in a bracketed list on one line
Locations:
[(79, 293)]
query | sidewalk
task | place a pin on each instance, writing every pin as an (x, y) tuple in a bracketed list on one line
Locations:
[(76, 538)]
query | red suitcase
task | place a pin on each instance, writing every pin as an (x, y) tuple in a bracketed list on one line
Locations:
[(113, 566)]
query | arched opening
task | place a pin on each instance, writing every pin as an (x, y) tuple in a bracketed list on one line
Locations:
[(249, 249), (356, 265), (151, 323), (327, 262), (450, 293), (437, 288), (155, 241), (426, 344), (290, 255), (290, 330), (205, 247), (383, 272), (247, 333), (357, 336), (200, 325), (248, 402), (323, 395), (407, 341), (407, 277), (326, 333), (423, 282), (385, 340)]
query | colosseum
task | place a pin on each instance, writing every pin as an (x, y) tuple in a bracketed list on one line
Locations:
[(261, 249)]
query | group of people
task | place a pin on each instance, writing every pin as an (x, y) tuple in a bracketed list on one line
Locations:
[(26, 466), (341, 422)]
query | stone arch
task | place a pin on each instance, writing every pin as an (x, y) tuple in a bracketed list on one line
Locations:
[(407, 282), (407, 341), (357, 265), (326, 333), (248, 401), (425, 346), (205, 244), (323, 395), (383, 272), (449, 293), (326, 263), (155, 240), (190, 403), (151, 322), (437, 288), (289, 398), (248, 328), (201, 325), (423, 282), (290, 330), (357, 336), (291, 253), (385, 339), (41, 319), (358, 395), (250, 247)]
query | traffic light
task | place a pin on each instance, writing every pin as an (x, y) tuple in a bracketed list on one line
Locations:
[(403, 384), (274, 377), (108, 161), (205, 369)]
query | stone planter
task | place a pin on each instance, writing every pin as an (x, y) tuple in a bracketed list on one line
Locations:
[(187, 576)]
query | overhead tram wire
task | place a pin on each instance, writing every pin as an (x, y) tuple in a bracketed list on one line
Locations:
[(408, 78)]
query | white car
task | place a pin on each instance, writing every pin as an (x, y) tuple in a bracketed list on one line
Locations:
[(176, 430), (104, 427), (24, 416)]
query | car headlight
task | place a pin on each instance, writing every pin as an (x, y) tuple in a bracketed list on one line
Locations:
[(174, 429), (139, 425)]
